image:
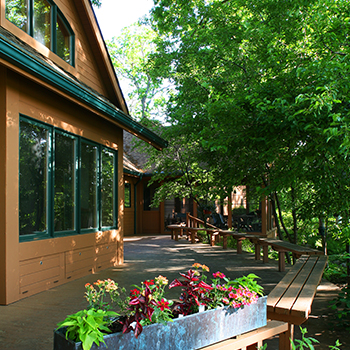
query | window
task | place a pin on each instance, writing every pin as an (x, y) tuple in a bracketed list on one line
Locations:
[(42, 20), (107, 187), (64, 182), (127, 195), (33, 174), (88, 185), (67, 185)]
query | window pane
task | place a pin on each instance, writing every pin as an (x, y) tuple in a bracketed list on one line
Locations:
[(64, 183), (127, 195), (88, 186), (33, 178), (63, 40), (107, 188), (42, 22), (17, 13)]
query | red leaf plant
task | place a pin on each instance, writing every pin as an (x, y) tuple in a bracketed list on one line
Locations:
[(141, 308), (194, 293)]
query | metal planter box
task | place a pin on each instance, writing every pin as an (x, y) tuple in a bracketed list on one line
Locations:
[(186, 333)]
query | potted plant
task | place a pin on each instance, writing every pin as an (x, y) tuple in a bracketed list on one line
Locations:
[(148, 320)]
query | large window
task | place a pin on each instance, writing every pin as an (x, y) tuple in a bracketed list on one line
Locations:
[(67, 185), (42, 20), (64, 182), (33, 173)]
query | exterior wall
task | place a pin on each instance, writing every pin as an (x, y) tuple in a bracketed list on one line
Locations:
[(30, 267)]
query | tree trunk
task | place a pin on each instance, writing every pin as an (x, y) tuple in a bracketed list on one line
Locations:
[(273, 204), (294, 214), (322, 233)]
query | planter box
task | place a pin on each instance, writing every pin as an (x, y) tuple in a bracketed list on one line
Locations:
[(186, 333)]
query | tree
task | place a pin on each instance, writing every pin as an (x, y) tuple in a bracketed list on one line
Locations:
[(96, 3), (259, 86), (130, 53)]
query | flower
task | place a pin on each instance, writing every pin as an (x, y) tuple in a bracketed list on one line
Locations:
[(134, 292), (148, 283), (205, 268), (161, 280), (196, 265), (163, 304), (219, 275)]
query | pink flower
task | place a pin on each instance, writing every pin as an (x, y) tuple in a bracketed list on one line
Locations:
[(232, 295), (218, 275)]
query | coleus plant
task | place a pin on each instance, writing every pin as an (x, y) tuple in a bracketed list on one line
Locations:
[(141, 306), (194, 293)]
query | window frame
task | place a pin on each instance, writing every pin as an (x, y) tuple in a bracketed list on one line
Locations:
[(115, 190), (50, 190), (55, 14)]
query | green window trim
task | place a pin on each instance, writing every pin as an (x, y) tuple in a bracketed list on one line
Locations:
[(51, 231), (56, 21)]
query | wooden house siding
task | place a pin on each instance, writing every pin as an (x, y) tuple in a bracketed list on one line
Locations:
[(38, 265)]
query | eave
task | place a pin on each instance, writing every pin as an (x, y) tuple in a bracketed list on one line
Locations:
[(26, 61)]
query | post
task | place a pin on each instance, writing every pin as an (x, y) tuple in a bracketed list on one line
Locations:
[(229, 211)]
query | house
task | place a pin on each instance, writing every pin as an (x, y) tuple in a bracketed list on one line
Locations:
[(62, 119), (238, 212), (139, 216)]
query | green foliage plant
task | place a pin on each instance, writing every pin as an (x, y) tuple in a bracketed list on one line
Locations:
[(341, 306), (304, 342), (88, 326)]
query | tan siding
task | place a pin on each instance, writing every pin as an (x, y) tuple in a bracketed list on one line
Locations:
[(39, 265), (128, 221)]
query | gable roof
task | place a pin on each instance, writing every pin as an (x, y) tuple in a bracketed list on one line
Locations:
[(22, 57)]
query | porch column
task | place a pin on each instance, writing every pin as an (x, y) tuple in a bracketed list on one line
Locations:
[(229, 211), (264, 212)]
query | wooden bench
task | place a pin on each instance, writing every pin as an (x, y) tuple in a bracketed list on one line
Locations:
[(191, 233), (254, 339), (291, 300), (281, 247), (176, 230)]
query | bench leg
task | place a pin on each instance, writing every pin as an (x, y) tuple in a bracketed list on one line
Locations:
[(174, 234), (281, 261), (193, 237), (224, 241), (257, 251), (212, 239), (284, 339), (265, 253), (239, 245)]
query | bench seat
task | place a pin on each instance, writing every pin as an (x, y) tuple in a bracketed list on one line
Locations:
[(253, 339), (281, 247)]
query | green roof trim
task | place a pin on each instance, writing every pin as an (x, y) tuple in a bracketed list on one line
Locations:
[(16, 54)]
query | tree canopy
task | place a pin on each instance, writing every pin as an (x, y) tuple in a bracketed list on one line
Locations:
[(130, 53), (262, 91)]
